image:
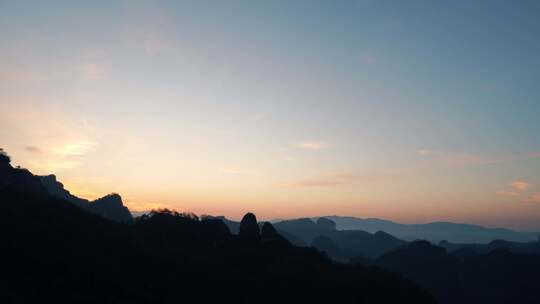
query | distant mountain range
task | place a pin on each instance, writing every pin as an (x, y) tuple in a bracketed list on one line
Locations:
[(433, 232), (304, 231)]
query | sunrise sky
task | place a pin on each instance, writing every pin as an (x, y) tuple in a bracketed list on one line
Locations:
[(386, 109)]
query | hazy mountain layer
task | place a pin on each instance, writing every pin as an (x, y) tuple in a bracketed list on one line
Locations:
[(433, 232)]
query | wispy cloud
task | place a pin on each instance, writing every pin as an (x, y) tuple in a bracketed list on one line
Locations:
[(33, 149), (335, 179), (91, 70), (516, 188), (520, 185), (312, 145), (77, 148), (64, 157)]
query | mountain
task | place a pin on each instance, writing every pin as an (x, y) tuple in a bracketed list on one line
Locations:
[(514, 247), (338, 244), (56, 252), (433, 232), (304, 228), (17, 178), (109, 206), (497, 277), (234, 227)]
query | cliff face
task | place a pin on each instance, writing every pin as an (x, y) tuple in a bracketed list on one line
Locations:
[(56, 189), (109, 206), (17, 178)]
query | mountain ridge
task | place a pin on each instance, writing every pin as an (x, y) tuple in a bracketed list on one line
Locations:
[(433, 231)]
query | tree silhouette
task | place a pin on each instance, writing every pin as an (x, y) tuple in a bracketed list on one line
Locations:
[(4, 157)]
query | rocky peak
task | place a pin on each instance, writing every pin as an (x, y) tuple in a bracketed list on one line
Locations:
[(326, 223), (56, 189), (109, 199), (268, 231), (249, 229), (5, 160), (111, 206)]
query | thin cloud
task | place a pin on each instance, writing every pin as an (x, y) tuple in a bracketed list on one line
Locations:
[(520, 185), (515, 188), (78, 148), (334, 179), (33, 149), (312, 145)]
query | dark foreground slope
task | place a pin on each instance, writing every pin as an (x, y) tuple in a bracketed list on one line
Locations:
[(498, 276), (55, 252)]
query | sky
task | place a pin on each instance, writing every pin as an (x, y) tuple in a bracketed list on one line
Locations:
[(413, 111)]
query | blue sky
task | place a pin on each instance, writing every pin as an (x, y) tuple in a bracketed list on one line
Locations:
[(411, 110)]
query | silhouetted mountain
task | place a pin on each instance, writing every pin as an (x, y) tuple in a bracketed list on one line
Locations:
[(433, 232), (514, 247), (428, 265), (304, 228), (56, 252), (360, 243), (466, 276), (17, 178), (268, 231), (233, 226), (328, 246), (56, 189), (4, 158), (324, 222), (249, 229), (109, 206), (351, 243), (271, 237)]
